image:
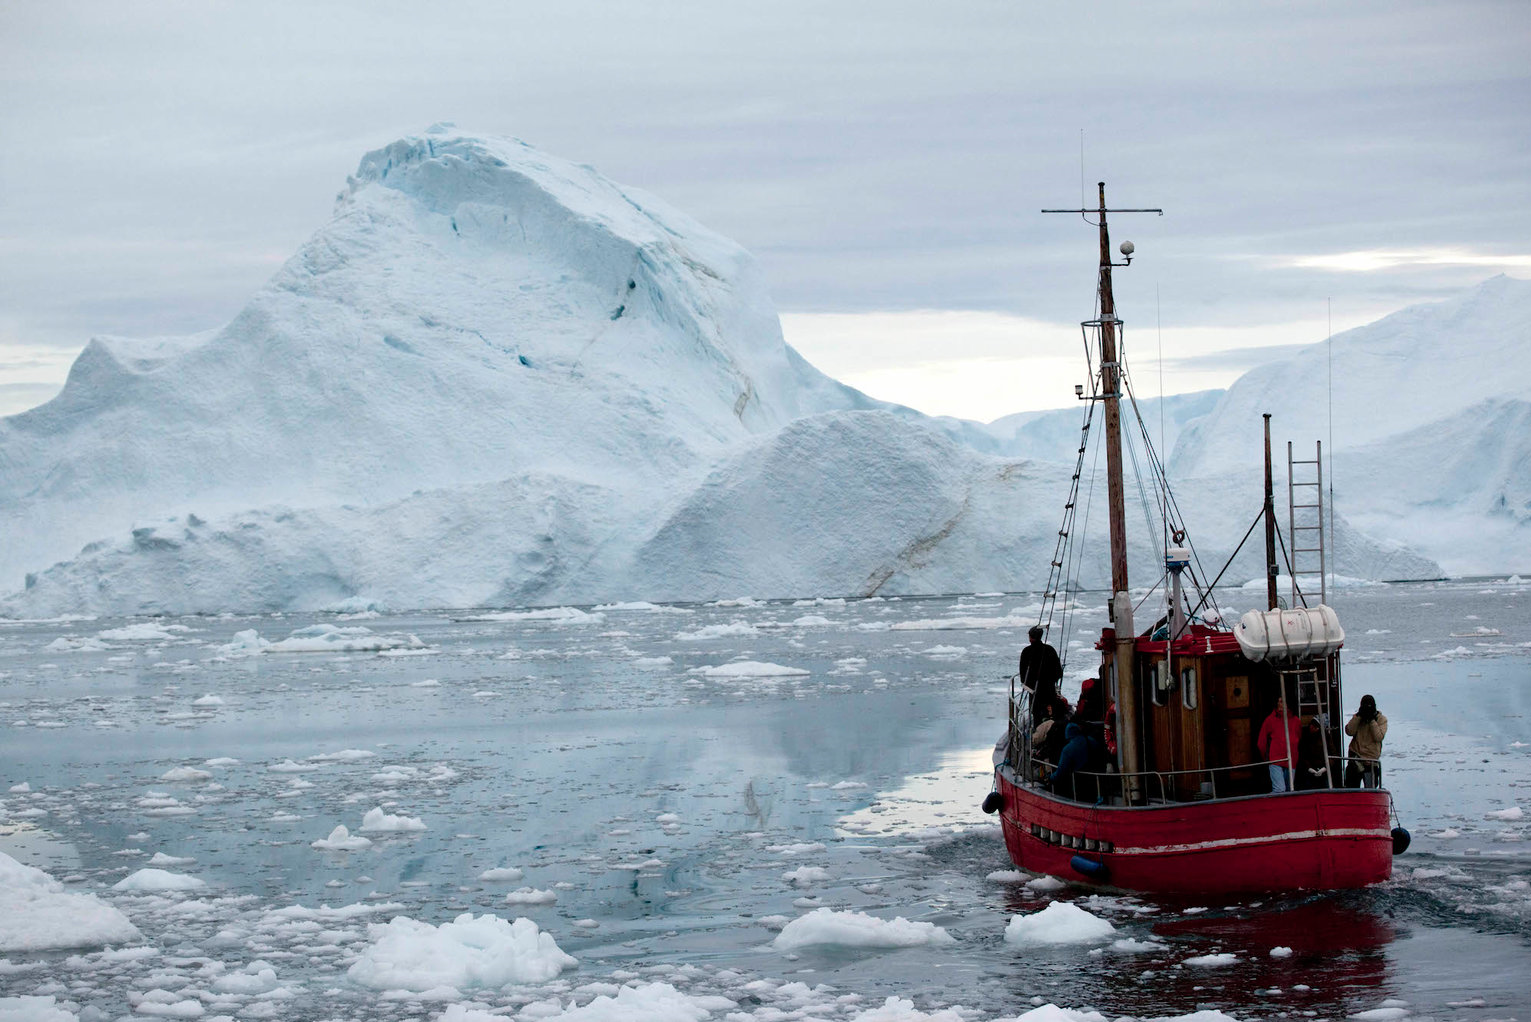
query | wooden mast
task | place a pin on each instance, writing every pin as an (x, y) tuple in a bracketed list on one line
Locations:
[(1270, 524), (1120, 607)]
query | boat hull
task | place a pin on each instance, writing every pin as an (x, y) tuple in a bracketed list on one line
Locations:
[(1329, 839)]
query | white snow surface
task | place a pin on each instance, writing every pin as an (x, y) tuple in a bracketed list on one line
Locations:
[(856, 929), (37, 914), (468, 952), (497, 379)]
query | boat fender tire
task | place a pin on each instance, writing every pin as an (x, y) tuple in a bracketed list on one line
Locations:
[(1090, 868), (1400, 840), (993, 802)]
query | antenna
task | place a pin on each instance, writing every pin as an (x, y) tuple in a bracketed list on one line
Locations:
[(1083, 196)]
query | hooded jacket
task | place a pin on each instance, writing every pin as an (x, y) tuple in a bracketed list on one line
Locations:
[(1366, 737)]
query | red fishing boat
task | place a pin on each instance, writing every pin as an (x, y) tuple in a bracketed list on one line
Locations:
[(1185, 802)]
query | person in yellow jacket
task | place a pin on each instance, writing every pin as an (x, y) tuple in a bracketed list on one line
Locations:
[(1367, 728)]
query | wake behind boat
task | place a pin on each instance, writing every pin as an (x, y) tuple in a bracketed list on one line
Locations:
[(1185, 800)]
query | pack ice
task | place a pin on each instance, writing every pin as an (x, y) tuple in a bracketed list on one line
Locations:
[(496, 378)]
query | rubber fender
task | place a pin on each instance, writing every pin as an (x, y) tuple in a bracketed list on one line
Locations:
[(993, 802), (1401, 840), (1090, 868)]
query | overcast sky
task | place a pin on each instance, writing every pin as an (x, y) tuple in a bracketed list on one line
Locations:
[(885, 161)]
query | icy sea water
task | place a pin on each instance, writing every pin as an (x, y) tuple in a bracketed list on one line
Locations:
[(674, 810)]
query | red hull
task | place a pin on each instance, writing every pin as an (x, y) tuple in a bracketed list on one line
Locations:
[(1308, 840)]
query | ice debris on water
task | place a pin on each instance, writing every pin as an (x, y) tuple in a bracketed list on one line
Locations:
[(824, 926), (342, 840), (1061, 922), (37, 914), (469, 952)]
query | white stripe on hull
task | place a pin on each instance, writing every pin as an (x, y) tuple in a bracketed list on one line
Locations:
[(1236, 842)]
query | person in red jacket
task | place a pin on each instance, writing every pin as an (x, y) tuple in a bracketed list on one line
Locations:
[(1278, 741)]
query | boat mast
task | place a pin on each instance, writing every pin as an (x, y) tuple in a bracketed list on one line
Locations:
[(1120, 607), (1124, 690), (1270, 524)]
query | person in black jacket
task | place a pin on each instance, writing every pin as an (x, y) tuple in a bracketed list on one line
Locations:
[(1040, 672)]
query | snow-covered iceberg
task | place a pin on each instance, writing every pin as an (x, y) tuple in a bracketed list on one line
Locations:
[(495, 378), (475, 312)]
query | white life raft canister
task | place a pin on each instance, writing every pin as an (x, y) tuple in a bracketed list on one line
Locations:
[(1289, 634)]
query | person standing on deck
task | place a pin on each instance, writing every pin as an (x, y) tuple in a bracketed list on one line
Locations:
[(1278, 740), (1367, 728), (1040, 672)]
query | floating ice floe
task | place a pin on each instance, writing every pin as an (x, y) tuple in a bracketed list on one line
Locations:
[(146, 631), (745, 669), (732, 630), (34, 1009), (1058, 923), (1132, 946), (76, 644), (1213, 961), (161, 859), (1022, 618), (289, 766), (333, 638), (825, 926), (254, 979), (530, 896), (1512, 813), (343, 756), (185, 773), (470, 952), (37, 914), (806, 876), (502, 873), (342, 840), (157, 881), (552, 615), (208, 700), (377, 821), (641, 605)]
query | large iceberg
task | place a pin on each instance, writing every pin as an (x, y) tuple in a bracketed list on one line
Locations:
[(496, 378)]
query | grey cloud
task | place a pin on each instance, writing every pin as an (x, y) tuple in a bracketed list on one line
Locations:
[(887, 158)]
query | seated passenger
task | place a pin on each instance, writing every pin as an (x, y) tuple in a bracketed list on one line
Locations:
[(1048, 738), (1080, 753)]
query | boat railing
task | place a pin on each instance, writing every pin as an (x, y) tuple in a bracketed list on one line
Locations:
[(1091, 785), (1103, 785)]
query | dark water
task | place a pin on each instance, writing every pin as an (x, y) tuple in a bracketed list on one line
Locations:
[(664, 804)]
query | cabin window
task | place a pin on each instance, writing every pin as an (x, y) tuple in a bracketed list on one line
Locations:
[(1162, 683), (1188, 688)]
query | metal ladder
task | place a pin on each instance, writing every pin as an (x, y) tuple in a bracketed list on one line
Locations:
[(1307, 530), (1312, 683)]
